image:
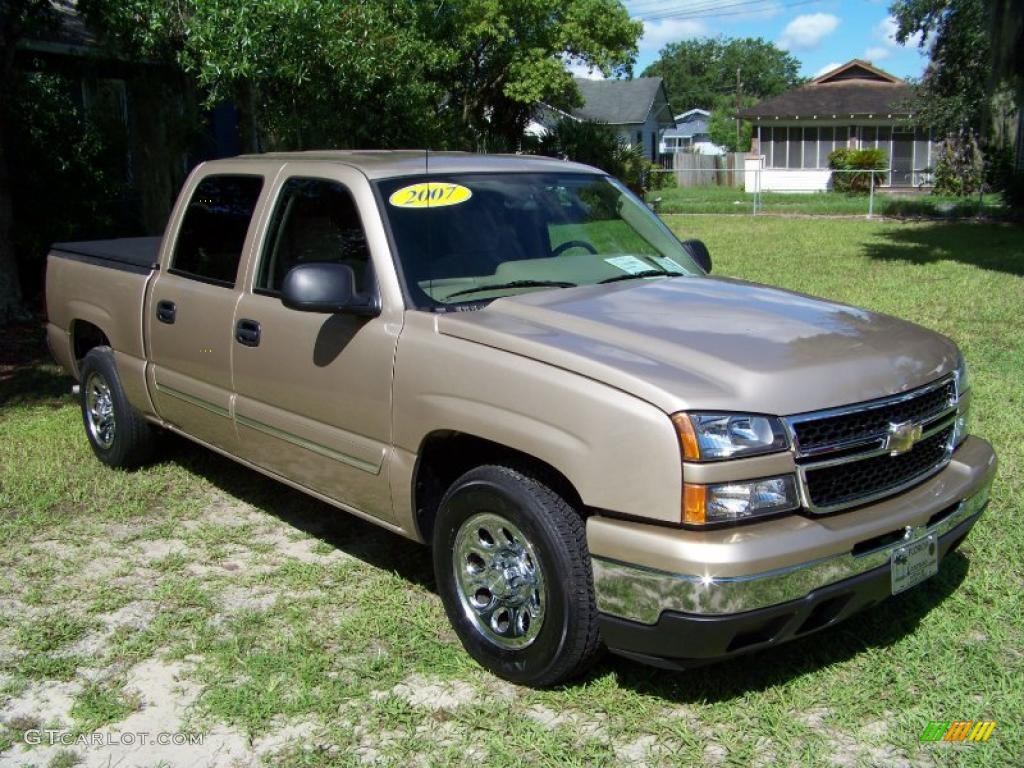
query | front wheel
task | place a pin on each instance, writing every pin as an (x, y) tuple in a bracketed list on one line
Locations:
[(513, 572)]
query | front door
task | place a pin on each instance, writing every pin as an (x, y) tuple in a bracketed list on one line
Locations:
[(191, 306), (313, 391), (902, 158)]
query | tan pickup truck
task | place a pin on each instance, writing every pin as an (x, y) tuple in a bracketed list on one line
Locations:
[(514, 360)]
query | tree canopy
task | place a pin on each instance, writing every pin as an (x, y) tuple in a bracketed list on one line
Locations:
[(953, 94), (377, 73), (698, 73)]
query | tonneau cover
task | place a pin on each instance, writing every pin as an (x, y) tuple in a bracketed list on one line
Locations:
[(133, 253)]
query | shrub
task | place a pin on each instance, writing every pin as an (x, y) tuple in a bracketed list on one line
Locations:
[(958, 169), (866, 160), (594, 143)]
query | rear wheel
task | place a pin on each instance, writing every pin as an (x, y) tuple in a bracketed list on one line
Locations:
[(118, 434), (513, 571)]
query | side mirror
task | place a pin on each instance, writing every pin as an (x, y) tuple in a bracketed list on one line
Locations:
[(699, 253), (327, 288)]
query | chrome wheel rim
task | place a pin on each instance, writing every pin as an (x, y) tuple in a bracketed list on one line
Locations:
[(500, 581), (99, 410)]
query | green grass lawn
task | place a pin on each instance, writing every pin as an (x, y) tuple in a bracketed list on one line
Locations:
[(310, 638), (714, 199)]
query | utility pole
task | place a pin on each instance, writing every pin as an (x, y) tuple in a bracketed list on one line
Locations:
[(739, 86)]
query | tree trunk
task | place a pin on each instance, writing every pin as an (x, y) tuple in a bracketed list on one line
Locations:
[(248, 123), (11, 305)]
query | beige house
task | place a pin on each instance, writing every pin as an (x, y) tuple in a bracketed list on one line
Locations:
[(855, 105)]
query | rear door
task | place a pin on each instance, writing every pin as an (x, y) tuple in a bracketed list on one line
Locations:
[(192, 301), (313, 391)]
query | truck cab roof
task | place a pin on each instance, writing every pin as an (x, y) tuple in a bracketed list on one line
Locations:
[(380, 164)]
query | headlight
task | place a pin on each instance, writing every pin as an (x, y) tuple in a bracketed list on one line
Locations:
[(734, 502), (710, 436), (962, 382)]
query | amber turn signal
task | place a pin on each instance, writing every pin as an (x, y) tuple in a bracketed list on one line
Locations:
[(694, 504), (687, 437)]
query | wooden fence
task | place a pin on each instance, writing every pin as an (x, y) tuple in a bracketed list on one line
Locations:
[(692, 170)]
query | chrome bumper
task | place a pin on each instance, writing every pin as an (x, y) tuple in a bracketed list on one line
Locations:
[(641, 594)]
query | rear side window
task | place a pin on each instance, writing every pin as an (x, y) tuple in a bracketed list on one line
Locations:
[(315, 220), (213, 230)]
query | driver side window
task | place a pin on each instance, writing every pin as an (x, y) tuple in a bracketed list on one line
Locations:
[(315, 220)]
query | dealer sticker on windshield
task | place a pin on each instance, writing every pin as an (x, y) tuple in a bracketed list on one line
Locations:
[(430, 194), (630, 264)]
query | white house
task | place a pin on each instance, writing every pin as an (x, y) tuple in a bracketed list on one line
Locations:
[(854, 105), (637, 110), (691, 133)]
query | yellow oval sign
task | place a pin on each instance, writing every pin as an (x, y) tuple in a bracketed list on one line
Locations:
[(430, 194)]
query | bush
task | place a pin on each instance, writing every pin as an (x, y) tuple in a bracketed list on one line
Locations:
[(866, 160), (958, 170), (594, 143)]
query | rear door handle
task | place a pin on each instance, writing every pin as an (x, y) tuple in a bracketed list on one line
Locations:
[(247, 332), (166, 311)]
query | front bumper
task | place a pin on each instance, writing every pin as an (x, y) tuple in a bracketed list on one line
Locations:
[(716, 599)]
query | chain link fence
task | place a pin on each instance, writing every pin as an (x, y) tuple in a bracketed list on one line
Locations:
[(806, 192)]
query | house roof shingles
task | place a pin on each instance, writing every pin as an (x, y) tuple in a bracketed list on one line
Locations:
[(852, 89), (618, 102)]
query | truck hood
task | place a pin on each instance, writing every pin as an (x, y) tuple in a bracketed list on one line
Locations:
[(713, 343)]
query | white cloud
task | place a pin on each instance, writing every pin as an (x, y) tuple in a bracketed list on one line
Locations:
[(805, 33), (877, 53), (578, 69), (885, 32), (657, 34), (827, 68)]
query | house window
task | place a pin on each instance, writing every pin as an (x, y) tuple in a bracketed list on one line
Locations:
[(810, 147), (868, 137), (842, 138), (826, 142), (779, 147), (794, 142)]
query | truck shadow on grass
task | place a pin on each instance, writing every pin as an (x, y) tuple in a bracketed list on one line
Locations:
[(881, 626), (334, 527), (995, 247)]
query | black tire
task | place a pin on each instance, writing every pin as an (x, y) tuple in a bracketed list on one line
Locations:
[(568, 640), (132, 439)]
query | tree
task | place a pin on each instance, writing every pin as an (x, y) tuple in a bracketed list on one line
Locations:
[(502, 57), (953, 95), (698, 73), (722, 124), (377, 73), (18, 20)]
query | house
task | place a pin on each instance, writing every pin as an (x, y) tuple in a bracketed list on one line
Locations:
[(637, 110), (690, 134), (855, 105)]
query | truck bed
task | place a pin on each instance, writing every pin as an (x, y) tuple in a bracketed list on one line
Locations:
[(131, 254)]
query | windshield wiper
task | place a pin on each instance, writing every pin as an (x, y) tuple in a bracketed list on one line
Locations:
[(640, 275), (514, 284)]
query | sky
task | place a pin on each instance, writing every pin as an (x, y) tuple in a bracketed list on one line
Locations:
[(820, 34)]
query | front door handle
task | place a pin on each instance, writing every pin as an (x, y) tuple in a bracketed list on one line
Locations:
[(166, 311), (247, 332)]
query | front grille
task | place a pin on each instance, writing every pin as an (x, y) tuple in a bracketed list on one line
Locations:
[(841, 484), (869, 421)]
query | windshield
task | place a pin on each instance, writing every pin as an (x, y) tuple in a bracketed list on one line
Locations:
[(467, 238)]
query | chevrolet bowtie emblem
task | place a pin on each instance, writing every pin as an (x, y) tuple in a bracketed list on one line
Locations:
[(901, 437)]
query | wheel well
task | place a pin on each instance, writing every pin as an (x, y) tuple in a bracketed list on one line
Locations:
[(445, 455), (85, 336)]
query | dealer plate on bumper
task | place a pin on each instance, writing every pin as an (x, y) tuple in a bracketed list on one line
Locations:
[(914, 562)]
